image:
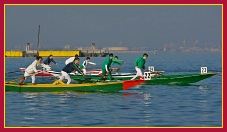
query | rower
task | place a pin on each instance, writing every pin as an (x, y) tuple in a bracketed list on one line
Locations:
[(106, 67), (118, 62), (31, 70), (70, 67), (83, 66), (139, 65), (47, 62), (50, 59)]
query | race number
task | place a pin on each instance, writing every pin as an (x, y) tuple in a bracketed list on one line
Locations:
[(147, 76), (151, 68), (203, 70)]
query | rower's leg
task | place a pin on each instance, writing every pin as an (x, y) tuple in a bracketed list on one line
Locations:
[(110, 76), (84, 71), (62, 75), (23, 78), (137, 74), (140, 74), (61, 78), (68, 78), (103, 73), (33, 79)]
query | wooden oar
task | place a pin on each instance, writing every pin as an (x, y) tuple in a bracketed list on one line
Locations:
[(86, 79), (13, 80), (13, 72), (117, 69), (120, 66), (158, 72), (90, 66)]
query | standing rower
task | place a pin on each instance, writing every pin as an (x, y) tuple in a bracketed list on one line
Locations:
[(70, 67), (139, 65), (106, 67), (31, 70)]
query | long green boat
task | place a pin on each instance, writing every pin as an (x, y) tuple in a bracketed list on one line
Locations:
[(114, 86), (177, 79)]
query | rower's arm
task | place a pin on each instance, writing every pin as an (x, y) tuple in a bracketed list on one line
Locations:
[(92, 63), (106, 67), (45, 66), (119, 62), (53, 61)]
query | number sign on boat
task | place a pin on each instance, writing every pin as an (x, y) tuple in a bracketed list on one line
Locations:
[(203, 70), (147, 76), (151, 68)]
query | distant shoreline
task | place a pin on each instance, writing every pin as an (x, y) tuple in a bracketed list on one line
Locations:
[(157, 52)]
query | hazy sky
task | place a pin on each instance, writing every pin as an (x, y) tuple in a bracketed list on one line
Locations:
[(131, 26)]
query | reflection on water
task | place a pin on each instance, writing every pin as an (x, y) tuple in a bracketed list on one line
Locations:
[(147, 108)]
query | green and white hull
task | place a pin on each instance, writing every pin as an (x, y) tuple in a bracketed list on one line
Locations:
[(180, 79)]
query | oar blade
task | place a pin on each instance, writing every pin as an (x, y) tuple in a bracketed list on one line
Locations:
[(131, 83)]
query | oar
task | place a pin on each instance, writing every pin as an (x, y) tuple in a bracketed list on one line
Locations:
[(13, 72), (86, 79), (53, 64), (120, 66), (90, 66), (158, 72), (13, 80), (117, 69)]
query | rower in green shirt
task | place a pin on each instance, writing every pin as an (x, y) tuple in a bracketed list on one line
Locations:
[(118, 62), (106, 67), (140, 64)]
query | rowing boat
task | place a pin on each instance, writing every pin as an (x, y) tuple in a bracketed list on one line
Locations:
[(176, 79), (112, 86), (180, 79)]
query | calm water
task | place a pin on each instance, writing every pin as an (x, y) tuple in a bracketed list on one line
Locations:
[(144, 105)]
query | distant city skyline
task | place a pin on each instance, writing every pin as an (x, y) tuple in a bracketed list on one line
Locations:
[(108, 26)]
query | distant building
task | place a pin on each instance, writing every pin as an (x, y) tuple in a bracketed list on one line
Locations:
[(92, 51), (117, 48)]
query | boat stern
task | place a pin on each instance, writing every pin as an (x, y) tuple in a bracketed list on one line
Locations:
[(131, 83)]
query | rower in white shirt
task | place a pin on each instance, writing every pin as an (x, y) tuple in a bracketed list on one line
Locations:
[(83, 66)]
